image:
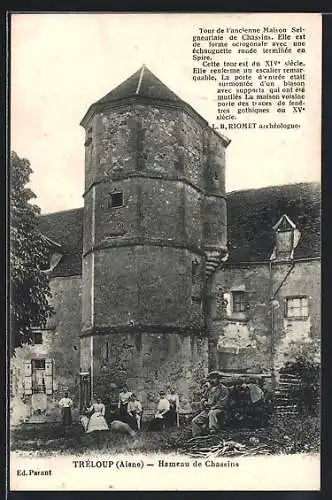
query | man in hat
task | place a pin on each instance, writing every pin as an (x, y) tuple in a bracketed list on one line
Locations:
[(214, 407)]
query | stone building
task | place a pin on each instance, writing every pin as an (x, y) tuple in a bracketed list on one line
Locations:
[(266, 298), (147, 286)]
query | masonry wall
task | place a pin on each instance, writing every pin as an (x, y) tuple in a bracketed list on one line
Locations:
[(162, 160), (242, 341), (60, 344), (148, 138), (298, 336), (147, 363), (144, 261)]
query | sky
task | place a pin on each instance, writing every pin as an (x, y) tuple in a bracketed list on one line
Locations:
[(62, 63)]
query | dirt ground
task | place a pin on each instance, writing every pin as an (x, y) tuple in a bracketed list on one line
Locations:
[(294, 435)]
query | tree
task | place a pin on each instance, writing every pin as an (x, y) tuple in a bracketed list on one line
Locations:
[(29, 254)]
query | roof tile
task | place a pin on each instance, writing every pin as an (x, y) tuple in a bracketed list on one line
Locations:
[(143, 83), (251, 216)]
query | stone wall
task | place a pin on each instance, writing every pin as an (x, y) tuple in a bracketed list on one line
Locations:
[(61, 345), (243, 340), (147, 363), (144, 285), (149, 138), (144, 261)]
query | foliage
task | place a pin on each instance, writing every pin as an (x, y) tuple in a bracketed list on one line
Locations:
[(284, 436), (308, 393), (296, 434), (29, 253)]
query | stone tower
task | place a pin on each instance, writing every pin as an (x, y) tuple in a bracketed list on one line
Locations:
[(154, 233)]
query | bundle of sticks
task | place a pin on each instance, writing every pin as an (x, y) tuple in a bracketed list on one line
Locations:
[(214, 447)]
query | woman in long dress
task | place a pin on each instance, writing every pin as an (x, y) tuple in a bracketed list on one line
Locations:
[(65, 404), (174, 405), (124, 398), (97, 421)]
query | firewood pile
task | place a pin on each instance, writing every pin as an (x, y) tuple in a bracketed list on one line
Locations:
[(214, 446)]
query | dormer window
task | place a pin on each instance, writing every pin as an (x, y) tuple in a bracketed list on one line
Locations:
[(287, 237), (53, 256)]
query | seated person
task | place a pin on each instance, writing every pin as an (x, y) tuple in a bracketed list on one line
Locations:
[(214, 405), (161, 418), (239, 398), (134, 410)]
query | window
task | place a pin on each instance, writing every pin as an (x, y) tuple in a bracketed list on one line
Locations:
[(239, 302), (106, 351), (297, 307), (37, 338), (38, 364), (38, 375), (116, 200), (194, 268)]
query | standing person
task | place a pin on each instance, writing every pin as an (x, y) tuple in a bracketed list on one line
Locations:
[(214, 406), (162, 414), (174, 403), (65, 404), (256, 402), (134, 409), (124, 397)]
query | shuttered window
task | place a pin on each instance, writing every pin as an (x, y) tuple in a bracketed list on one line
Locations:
[(49, 376), (38, 376), (27, 381)]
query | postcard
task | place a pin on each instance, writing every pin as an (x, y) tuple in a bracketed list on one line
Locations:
[(164, 254)]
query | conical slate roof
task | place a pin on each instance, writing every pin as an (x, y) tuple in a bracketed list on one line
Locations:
[(146, 86), (143, 83)]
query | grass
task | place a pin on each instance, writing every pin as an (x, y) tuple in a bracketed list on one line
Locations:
[(294, 435)]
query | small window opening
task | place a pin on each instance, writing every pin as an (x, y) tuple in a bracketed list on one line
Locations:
[(38, 364), (116, 200), (194, 267), (239, 302), (37, 337)]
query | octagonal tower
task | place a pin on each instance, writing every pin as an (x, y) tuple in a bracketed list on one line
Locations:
[(154, 231)]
